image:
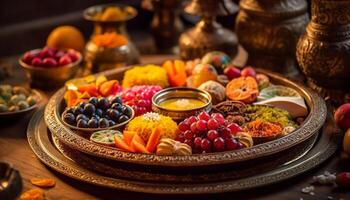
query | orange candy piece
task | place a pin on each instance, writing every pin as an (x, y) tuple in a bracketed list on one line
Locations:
[(176, 71), (33, 194), (243, 89), (108, 88), (43, 182), (71, 97), (138, 144), (128, 135), (121, 144), (91, 89), (154, 139)]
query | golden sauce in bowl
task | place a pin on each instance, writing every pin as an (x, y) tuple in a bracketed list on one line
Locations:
[(181, 103)]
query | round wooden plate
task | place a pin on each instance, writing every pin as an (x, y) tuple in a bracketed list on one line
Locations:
[(41, 143), (311, 125)]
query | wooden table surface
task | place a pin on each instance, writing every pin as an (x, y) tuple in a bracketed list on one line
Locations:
[(15, 149)]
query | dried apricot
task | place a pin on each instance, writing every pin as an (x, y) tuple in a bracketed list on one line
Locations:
[(43, 182), (33, 194), (243, 89)]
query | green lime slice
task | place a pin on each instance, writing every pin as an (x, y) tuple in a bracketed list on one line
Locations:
[(277, 90), (105, 137)]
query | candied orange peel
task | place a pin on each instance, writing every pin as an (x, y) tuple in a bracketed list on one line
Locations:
[(43, 182), (33, 194)]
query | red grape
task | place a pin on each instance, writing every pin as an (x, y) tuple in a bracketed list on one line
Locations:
[(204, 116), (212, 124), (189, 142), (183, 126), (201, 125), (193, 128), (27, 57), (180, 137), (192, 119), (212, 134), (188, 135), (219, 144), (235, 128), (37, 62), (197, 142), (225, 132), (219, 118), (49, 62), (206, 145), (65, 60), (232, 143)]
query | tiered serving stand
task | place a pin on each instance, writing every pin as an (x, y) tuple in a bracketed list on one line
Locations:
[(72, 154)]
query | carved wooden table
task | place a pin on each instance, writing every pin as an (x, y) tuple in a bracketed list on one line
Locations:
[(15, 149)]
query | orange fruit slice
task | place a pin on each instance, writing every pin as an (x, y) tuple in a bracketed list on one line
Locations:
[(33, 194), (154, 139), (128, 135), (138, 144), (243, 89)]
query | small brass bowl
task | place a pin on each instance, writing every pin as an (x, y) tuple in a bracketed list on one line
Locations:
[(178, 92), (91, 130), (50, 78)]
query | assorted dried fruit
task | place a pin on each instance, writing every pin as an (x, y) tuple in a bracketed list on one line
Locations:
[(43, 182), (15, 98), (50, 58), (215, 89), (243, 89)]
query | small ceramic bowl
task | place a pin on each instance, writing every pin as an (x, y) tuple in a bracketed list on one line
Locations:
[(178, 92), (50, 78), (91, 130)]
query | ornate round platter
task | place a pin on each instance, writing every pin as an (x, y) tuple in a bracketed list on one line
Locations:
[(41, 143), (311, 125)]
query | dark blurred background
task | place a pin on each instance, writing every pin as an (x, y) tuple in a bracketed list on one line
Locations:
[(25, 24)]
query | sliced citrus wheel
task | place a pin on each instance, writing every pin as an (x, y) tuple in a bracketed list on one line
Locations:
[(105, 137), (243, 89)]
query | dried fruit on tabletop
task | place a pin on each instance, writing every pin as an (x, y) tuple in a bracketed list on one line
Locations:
[(33, 194), (146, 75), (110, 40), (218, 59), (342, 116), (66, 37), (202, 73), (215, 89), (140, 97), (263, 130), (43, 182), (145, 124), (169, 146), (15, 98), (243, 89), (346, 142), (176, 72), (209, 133)]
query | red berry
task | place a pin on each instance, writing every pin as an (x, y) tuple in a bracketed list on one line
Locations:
[(235, 128), (27, 57), (219, 144), (73, 55), (232, 144), (180, 137), (206, 145), (232, 72), (219, 118), (204, 116), (197, 142), (212, 124), (188, 135), (241, 145), (59, 54), (225, 132), (193, 128), (192, 120), (189, 142), (201, 125), (65, 60), (47, 52), (49, 62), (248, 71), (183, 126), (212, 134), (37, 62), (343, 179)]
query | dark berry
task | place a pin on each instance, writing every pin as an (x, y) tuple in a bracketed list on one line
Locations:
[(92, 123), (99, 112), (103, 123), (126, 111), (111, 123), (69, 118), (95, 117), (89, 109), (81, 104), (117, 106), (78, 110), (82, 116), (103, 103), (123, 118), (71, 110), (82, 123), (113, 114), (117, 99), (93, 101)]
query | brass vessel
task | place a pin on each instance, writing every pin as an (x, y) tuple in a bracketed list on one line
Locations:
[(208, 35), (166, 25), (269, 31), (323, 52), (101, 58)]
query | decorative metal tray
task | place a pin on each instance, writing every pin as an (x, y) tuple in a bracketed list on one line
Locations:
[(41, 143), (311, 125)]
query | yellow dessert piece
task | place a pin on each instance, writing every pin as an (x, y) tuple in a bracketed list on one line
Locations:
[(146, 75)]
